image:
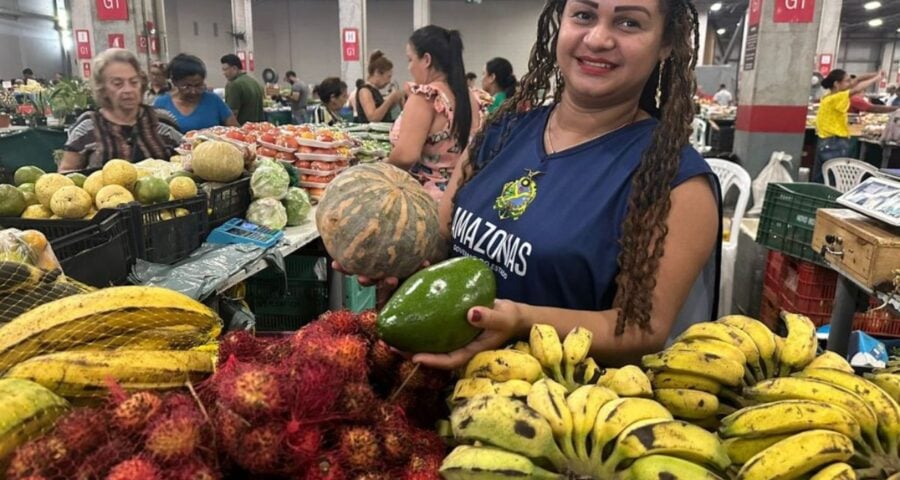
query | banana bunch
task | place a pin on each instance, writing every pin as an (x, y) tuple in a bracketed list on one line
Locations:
[(565, 361), (590, 432)]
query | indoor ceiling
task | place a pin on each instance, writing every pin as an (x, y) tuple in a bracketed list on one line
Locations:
[(854, 17)]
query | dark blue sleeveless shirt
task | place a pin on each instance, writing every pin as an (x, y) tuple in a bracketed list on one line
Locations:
[(549, 225)]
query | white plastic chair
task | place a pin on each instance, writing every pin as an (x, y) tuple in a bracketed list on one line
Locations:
[(698, 135), (730, 175), (847, 172)]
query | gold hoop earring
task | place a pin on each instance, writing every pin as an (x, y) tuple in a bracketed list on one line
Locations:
[(662, 66)]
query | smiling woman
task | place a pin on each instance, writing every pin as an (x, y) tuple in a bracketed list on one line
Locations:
[(122, 127), (594, 210)]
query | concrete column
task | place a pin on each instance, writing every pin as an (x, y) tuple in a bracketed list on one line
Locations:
[(777, 59), (887, 62), (242, 22), (830, 29), (421, 13), (352, 14), (703, 21)]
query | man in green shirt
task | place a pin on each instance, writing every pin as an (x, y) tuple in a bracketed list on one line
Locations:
[(243, 94)]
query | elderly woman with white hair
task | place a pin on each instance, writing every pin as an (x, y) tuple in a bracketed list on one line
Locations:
[(122, 127)]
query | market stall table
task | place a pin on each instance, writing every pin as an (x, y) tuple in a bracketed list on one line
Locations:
[(848, 290), (887, 150)]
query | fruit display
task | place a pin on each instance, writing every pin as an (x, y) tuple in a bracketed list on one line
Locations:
[(27, 410), (377, 221), (217, 161), (728, 399), (450, 288)]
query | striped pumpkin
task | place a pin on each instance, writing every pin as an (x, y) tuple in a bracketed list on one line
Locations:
[(377, 221)]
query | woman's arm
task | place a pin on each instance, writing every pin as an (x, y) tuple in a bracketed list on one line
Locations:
[(231, 121), (418, 115), (71, 161), (864, 82), (692, 234), (367, 103)]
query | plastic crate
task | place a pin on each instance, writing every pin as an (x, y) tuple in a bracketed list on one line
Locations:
[(286, 304), (789, 217), (808, 289), (228, 201), (881, 323), (167, 237), (769, 307), (774, 265), (102, 252), (357, 297)]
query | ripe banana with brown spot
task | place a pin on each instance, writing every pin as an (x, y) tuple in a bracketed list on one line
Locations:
[(549, 399), (665, 467), (889, 382), (670, 379), (585, 404), (721, 369), (801, 343), (762, 336), (789, 416), (667, 437), (547, 348), (731, 335), (831, 360), (835, 471), (798, 455), (742, 449), (617, 415), (504, 365), (466, 462), (576, 347), (687, 404), (628, 381)]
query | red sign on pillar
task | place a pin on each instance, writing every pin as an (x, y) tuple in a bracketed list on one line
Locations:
[(116, 40), (243, 56), (755, 12), (794, 11), (251, 64), (350, 44), (83, 44), (86, 70), (154, 44), (825, 62), (112, 10), (142, 44)]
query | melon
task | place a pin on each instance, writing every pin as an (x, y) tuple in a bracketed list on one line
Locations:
[(376, 220), (31, 198), (93, 183), (27, 174), (70, 202), (38, 212), (48, 184), (217, 161), (12, 201), (149, 190), (111, 196), (78, 178), (26, 188), (119, 172), (182, 187)]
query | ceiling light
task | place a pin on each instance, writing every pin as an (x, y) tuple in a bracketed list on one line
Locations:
[(872, 5), (876, 22), (721, 31), (718, 6)]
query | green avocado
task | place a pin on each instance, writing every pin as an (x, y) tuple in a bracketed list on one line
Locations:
[(428, 312)]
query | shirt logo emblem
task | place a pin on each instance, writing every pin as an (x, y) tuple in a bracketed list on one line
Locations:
[(517, 195)]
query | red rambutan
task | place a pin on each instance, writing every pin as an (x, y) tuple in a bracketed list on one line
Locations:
[(357, 401), (99, 461), (390, 416), (194, 469), (341, 322), (276, 350), (230, 428), (427, 443), (423, 467), (133, 413), (303, 441), (368, 323), (383, 358), (396, 445), (135, 469), (38, 457), (315, 388), (374, 476), (243, 345), (348, 353), (360, 449), (82, 429), (261, 449), (174, 436), (251, 390), (421, 377)]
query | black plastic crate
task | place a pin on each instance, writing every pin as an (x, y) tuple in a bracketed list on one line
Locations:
[(287, 302), (169, 234), (228, 201), (102, 251), (788, 218)]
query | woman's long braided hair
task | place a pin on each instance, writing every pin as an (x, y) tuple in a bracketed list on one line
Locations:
[(644, 229)]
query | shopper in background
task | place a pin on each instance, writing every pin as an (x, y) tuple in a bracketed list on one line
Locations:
[(470, 80), (159, 82), (333, 94), (441, 113), (192, 105), (371, 105), (28, 77), (122, 127), (593, 211), (859, 103), (351, 99), (299, 97), (243, 94), (832, 126), (499, 81), (723, 97)]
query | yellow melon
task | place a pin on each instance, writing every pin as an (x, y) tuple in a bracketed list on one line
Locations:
[(119, 172), (93, 183), (70, 202), (38, 211), (48, 184), (182, 187), (112, 196)]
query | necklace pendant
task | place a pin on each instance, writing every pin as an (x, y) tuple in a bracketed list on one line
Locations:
[(517, 195)]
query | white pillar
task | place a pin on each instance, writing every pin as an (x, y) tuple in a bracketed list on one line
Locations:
[(242, 22), (829, 40), (887, 63), (352, 15), (703, 21), (421, 13)]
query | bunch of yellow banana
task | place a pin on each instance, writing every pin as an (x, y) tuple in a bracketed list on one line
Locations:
[(565, 361), (141, 337), (590, 432)]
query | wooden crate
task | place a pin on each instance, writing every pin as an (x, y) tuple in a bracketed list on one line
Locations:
[(866, 249)]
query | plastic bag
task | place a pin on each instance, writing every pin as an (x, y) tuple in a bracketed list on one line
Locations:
[(30, 247), (774, 172)]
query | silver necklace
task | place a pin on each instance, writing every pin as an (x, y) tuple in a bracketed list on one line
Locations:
[(550, 137)]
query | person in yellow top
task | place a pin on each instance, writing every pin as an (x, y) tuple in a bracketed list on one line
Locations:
[(832, 127)]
